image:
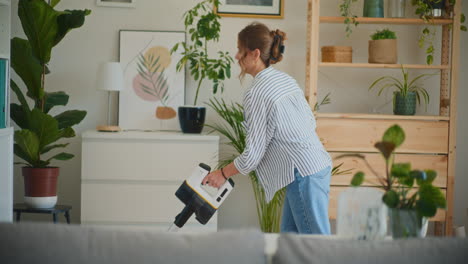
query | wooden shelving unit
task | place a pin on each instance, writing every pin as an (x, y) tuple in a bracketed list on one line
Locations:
[(380, 66), (386, 21), (430, 140)]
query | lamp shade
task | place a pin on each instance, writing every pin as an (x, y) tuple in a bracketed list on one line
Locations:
[(110, 77)]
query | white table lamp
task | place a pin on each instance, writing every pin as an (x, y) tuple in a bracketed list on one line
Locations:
[(109, 78)]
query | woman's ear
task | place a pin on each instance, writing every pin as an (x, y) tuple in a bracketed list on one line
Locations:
[(256, 54)]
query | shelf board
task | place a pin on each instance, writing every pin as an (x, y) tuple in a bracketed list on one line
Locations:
[(4, 2), (4, 56), (380, 66), (380, 20), (382, 117)]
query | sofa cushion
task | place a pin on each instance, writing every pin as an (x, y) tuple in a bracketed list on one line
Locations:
[(303, 249), (49, 243)]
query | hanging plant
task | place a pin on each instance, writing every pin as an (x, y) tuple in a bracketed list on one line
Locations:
[(349, 17), (424, 10)]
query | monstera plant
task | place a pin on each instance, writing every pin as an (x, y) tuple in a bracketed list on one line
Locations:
[(39, 130)]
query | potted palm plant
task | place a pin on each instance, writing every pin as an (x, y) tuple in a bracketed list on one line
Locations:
[(407, 93), (202, 24), (383, 47), (409, 193), (39, 129)]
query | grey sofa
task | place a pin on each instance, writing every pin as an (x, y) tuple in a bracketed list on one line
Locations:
[(47, 243)]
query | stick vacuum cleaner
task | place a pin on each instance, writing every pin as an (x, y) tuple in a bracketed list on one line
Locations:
[(201, 200)]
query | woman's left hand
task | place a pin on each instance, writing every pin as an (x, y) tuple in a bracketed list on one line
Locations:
[(214, 179)]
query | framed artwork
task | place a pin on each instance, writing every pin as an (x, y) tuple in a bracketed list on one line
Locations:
[(116, 3), (251, 8), (153, 88)]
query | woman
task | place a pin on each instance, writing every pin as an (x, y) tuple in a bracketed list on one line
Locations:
[(281, 144)]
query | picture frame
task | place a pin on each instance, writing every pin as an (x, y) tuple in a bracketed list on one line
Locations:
[(251, 8), (116, 3), (153, 88)]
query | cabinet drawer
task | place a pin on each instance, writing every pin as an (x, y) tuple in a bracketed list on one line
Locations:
[(418, 161), (360, 135), (131, 203), (145, 159), (334, 195)]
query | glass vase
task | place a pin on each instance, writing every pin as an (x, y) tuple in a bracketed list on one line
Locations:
[(373, 8), (396, 8), (406, 223)]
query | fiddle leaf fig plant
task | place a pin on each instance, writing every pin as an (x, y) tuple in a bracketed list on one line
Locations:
[(39, 131), (202, 25)]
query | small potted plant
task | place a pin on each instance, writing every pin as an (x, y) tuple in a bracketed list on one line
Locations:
[(202, 24), (407, 93), (409, 194), (39, 129), (383, 47)]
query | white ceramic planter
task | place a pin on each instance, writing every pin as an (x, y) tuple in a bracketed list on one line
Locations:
[(40, 202)]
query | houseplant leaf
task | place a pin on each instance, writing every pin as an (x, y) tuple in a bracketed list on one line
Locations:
[(401, 170), (51, 147), (358, 179), (395, 135), (70, 118), (54, 99), (68, 20), (61, 156), (386, 148), (27, 145), (19, 115), (391, 199), (44, 126), (27, 67), (431, 194), (39, 21)]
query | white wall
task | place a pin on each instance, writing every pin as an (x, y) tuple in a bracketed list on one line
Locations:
[(75, 61)]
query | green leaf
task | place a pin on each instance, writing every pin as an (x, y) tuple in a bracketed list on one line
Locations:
[(20, 115), (70, 118), (54, 2), (54, 99), (358, 179), (39, 21), (51, 147), (44, 126), (432, 195), (401, 170), (426, 208), (391, 199), (386, 148), (395, 135), (61, 156), (27, 67), (19, 95), (28, 145), (429, 59)]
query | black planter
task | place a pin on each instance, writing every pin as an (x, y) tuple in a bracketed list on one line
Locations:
[(192, 118)]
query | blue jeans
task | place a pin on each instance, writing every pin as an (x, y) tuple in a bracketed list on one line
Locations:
[(305, 207)]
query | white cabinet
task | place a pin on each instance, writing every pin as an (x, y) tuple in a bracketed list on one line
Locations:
[(130, 178)]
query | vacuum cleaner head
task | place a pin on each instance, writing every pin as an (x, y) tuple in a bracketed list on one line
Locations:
[(203, 200)]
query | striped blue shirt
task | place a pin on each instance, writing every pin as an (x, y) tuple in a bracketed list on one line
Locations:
[(281, 133)]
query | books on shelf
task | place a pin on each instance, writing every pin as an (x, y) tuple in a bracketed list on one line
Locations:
[(4, 76)]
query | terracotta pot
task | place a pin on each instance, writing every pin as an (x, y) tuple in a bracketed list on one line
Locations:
[(383, 51), (40, 186)]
